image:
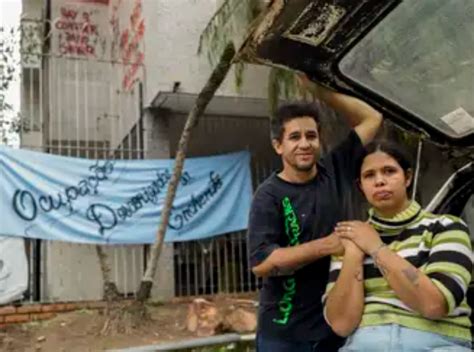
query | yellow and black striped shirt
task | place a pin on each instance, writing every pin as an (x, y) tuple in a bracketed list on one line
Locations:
[(440, 247)]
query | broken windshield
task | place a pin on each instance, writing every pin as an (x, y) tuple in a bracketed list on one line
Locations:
[(421, 57)]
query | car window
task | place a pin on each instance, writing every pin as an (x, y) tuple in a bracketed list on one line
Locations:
[(421, 58), (468, 216)]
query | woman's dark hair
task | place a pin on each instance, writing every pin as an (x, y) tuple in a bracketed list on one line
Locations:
[(289, 112), (396, 151)]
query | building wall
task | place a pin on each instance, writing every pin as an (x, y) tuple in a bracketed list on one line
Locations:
[(33, 8), (171, 42), (101, 50)]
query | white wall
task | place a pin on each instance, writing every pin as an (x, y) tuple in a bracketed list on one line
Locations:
[(89, 99), (85, 95), (172, 35), (72, 271), (33, 8)]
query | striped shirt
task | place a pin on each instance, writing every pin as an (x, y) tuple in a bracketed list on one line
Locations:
[(440, 247)]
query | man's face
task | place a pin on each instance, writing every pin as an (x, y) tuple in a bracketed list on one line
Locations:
[(299, 146)]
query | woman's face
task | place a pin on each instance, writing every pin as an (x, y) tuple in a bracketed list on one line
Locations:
[(384, 183)]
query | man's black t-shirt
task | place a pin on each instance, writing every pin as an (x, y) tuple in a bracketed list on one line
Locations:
[(285, 214)]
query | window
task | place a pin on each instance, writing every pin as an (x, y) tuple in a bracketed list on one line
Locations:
[(421, 58)]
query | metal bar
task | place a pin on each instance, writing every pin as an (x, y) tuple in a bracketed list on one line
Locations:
[(111, 114), (196, 343), (234, 262), (116, 265), (59, 92), (124, 268), (31, 108), (241, 264), (128, 127), (40, 103), (50, 104), (195, 261), (43, 272), (49, 263), (140, 146), (211, 269), (137, 108), (188, 269), (86, 112), (68, 103), (417, 168), (134, 271), (226, 264), (178, 262), (120, 119), (79, 272), (31, 269), (77, 105), (23, 105), (203, 267), (219, 266), (95, 97), (249, 276)]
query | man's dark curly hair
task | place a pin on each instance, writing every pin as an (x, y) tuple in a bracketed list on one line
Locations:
[(289, 112)]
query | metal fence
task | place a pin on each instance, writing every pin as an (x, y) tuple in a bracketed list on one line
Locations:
[(78, 106), (75, 107), (219, 265)]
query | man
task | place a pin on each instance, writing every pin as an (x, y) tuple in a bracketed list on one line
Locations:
[(293, 212)]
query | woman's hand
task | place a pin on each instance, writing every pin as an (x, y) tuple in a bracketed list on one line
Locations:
[(352, 250), (361, 233)]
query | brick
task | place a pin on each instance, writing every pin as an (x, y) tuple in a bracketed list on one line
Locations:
[(48, 308), (30, 308), (72, 306), (55, 307), (42, 316), (96, 305), (61, 307), (7, 310), (81, 305), (2, 319), (17, 318)]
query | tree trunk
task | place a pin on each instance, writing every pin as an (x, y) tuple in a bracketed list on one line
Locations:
[(110, 289), (203, 99)]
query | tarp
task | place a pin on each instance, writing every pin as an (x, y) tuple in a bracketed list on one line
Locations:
[(13, 269), (120, 201)]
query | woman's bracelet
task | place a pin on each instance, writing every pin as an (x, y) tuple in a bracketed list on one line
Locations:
[(376, 251)]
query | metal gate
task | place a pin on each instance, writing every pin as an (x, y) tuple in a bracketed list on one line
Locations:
[(77, 107), (220, 265)]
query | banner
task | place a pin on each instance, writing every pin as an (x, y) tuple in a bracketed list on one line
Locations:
[(120, 201), (13, 269)]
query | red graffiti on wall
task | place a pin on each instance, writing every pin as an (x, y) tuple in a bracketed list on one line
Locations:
[(129, 39), (98, 2), (78, 34)]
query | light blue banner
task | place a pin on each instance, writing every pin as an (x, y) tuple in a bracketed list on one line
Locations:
[(120, 201)]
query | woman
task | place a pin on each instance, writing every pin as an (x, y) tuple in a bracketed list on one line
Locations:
[(402, 281)]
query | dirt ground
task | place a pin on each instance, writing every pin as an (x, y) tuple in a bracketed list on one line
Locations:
[(80, 331)]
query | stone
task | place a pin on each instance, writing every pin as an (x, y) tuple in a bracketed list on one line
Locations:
[(241, 321), (203, 318)]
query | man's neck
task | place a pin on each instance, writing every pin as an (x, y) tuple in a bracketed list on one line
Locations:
[(298, 176)]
